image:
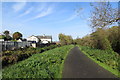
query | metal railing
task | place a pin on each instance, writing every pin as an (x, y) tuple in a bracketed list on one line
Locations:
[(10, 45)]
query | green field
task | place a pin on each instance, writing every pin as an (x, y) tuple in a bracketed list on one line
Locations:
[(108, 59), (49, 64)]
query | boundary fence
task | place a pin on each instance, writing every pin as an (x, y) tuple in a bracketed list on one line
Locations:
[(11, 45)]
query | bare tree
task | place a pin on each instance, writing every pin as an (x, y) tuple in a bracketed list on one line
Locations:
[(103, 15)]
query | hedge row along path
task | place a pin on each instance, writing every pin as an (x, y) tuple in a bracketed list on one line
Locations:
[(78, 65)]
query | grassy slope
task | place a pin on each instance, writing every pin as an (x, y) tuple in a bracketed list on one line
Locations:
[(46, 65), (110, 68), (11, 57)]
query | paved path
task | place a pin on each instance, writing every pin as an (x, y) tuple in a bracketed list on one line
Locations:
[(78, 65)]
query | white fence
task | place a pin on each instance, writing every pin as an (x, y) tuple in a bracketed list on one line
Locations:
[(9, 45)]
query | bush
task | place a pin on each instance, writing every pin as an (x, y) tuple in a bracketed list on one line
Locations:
[(10, 57)]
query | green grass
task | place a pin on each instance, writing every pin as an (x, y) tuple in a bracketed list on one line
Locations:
[(108, 59), (49, 64), (11, 57)]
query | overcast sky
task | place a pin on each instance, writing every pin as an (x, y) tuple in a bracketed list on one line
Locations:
[(50, 18)]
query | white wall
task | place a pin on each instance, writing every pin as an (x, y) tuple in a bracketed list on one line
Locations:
[(46, 40), (33, 38)]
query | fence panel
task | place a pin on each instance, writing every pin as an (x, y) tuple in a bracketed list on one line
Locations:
[(9, 45)]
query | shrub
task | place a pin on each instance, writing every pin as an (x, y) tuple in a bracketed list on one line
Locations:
[(10, 57)]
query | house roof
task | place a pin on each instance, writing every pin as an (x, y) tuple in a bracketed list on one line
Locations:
[(44, 37)]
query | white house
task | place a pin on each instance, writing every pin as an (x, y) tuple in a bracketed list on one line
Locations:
[(19, 40), (45, 39), (33, 38), (42, 39)]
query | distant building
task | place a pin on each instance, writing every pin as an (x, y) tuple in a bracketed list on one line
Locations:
[(19, 40), (43, 39), (33, 38)]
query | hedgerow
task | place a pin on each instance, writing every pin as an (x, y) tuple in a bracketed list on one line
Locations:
[(11, 57)]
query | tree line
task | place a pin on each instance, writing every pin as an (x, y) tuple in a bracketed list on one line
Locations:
[(65, 39), (102, 36), (105, 39), (102, 39), (15, 36)]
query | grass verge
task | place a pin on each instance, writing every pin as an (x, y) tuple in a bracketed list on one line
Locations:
[(106, 59), (49, 64)]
